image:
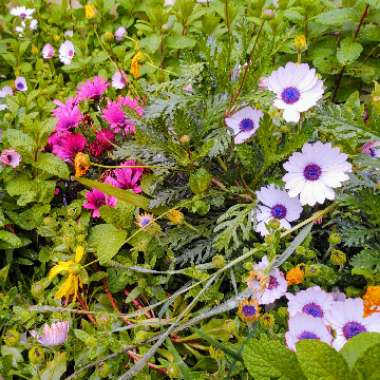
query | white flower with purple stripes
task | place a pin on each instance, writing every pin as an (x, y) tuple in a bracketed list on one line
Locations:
[(313, 173), (297, 88), (276, 204)]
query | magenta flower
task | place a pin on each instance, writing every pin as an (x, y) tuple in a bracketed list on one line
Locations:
[(52, 335), (129, 178), (66, 145), (68, 115), (97, 199), (92, 89), (103, 142), (10, 157), (371, 148)]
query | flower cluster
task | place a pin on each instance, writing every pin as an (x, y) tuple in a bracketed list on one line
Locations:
[(26, 20)]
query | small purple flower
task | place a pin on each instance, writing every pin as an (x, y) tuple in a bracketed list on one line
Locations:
[(312, 301), (347, 319), (119, 80), (276, 204), (52, 335), (371, 148), (10, 157), (302, 327), (275, 286), (48, 51), (244, 123), (20, 84), (120, 33)]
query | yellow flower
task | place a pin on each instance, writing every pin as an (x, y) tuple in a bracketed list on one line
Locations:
[(89, 11), (81, 164), (136, 59), (34, 49), (295, 276), (372, 300), (300, 42), (70, 286), (267, 320), (175, 216)]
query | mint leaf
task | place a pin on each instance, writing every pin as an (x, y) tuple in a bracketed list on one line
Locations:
[(336, 17), (367, 366), (107, 240), (349, 51), (269, 358), (319, 361), (53, 165)]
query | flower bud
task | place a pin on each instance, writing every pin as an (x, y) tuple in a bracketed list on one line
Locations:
[(108, 36), (184, 139), (89, 11), (312, 271), (300, 250), (300, 42), (175, 217), (337, 257), (218, 261), (267, 320), (335, 238), (11, 338), (267, 14), (36, 355), (34, 50)]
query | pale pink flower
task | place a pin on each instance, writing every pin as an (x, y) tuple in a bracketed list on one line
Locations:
[(10, 157), (52, 335), (119, 80), (48, 51)]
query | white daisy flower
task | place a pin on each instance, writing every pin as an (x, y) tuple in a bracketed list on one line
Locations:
[(48, 51), (313, 302), (346, 318), (297, 88), (20, 28), (4, 92), (119, 80), (66, 52), (22, 12), (244, 123), (314, 172), (302, 327), (20, 84), (276, 204), (275, 283), (33, 24)]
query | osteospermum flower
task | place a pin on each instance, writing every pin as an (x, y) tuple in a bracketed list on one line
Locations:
[(266, 288), (92, 89), (312, 301), (4, 92), (276, 204), (297, 88), (52, 335), (144, 220), (66, 145), (10, 157), (249, 310), (120, 33), (314, 172), (347, 319), (302, 327), (68, 115), (48, 51), (371, 148), (244, 123), (66, 52), (96, 199), (22, 12), (129, 178), (119, 80), (20, 84)]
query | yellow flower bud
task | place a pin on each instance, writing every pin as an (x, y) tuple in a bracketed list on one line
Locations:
[(338, 257), (175, 217), (300, 42), (89, 11), (34, 50), (56, 37)]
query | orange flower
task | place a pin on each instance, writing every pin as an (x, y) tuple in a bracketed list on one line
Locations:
[(81, 164), (372, 300), (136, 59), (295, 276)]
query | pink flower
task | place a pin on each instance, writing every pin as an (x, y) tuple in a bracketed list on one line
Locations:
[(103, 142), (119, 80), (371, 148), (66, 145), (128, 178), (10, 157), (48, 51), (120, 33), (52, 335), (92, 89), (97, 199), (68, 115)]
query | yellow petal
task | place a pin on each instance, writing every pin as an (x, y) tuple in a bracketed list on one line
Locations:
[(67, 288), (60, 267), (79, 253)]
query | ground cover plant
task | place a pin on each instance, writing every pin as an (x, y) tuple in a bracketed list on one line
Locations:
[(190, 189)]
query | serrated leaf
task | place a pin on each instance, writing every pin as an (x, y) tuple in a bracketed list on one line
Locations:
[(349, 51), (18, 139), (358, 345), (55, 368), (319, 361), (367, 366), (53, 165), (269, 358), (107, 240), (336, 17)]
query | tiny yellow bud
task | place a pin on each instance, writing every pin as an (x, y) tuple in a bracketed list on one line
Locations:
[(89, 11), (175, 217), (56, 37), (300, 42), (34, 50)]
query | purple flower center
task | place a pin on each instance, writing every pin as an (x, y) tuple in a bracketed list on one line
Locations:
[(350, 329), (144, 221), (290, 95), (372, 152), (312, 172), (308, 335), (246, 125), (278, 211), (70, 53), (313, 309), (273, 283), (248, 310), (20, 85), (23, 15)]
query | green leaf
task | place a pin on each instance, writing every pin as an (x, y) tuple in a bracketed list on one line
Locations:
[(269, 358), (18, 139), (11, 239), (123, 195), (336, 17), (53, 165), (319, 361), (180, 42), (199, 181), (357, 346), (55, 368), (349, 51), (121, 216), (107, 240), (367, 366)]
